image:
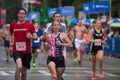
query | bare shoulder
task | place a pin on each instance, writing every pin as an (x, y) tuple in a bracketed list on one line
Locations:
[(103, 30), (75, 27), (84, 27), (63, 34)]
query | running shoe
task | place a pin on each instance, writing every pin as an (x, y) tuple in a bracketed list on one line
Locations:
[(11, 54), (102, 76), (34, 64), (7, 60), (79, 62), (75, 59), (93, 78)]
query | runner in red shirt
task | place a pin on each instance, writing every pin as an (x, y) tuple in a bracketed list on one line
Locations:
[(22, 32)]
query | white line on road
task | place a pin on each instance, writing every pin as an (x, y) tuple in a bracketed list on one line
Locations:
[(90, 72), (109, 74), (3, 73), (11, 71), (70, 75), (44, 72), (75, 68)]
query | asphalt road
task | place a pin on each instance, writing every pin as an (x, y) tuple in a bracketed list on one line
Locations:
[(73, 70)]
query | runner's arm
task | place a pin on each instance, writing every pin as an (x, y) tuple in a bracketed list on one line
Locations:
[(104, 36), (90, 34), (67, 40), (34, 36)]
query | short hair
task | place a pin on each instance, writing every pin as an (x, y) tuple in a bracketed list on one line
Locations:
[(94, 22), (56, 13), (23, 10)]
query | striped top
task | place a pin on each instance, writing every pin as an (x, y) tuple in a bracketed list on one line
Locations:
[(55, 50)]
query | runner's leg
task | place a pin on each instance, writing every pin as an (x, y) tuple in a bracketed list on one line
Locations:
[(24, 73), (18, 68), (93, 65)]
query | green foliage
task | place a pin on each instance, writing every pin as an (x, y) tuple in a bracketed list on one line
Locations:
[(12, 6), (76, 3), (115, 8)]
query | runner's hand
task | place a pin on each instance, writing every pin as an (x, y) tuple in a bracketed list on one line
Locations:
[(58, 43), (29, 35), (103, 41)]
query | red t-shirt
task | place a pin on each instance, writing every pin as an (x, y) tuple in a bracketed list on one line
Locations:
[(21, 42)]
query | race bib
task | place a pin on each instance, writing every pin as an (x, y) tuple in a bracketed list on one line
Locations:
[(37, 41), (97, 42), (21, 46)]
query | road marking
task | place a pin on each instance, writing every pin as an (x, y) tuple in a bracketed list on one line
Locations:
[(90, 72), (3, 73), (109, 74), (11, 71), (44, 72), (67, 68)]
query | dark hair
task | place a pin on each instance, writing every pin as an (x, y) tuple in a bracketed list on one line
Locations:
[(23, 10), (94, 22), (56, 13)]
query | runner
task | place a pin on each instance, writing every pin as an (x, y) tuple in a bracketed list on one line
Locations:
[(36, 44), (57, 17), (6, 38), (99, 38), (79, 39), (57, 41), (45, 46), (71, 36), (22, 32)]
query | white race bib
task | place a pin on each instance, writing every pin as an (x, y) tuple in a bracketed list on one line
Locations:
[(21, 46), (97, 42), (37, 41)]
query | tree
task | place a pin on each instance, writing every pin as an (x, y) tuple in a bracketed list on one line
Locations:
[(12, 6), (115, 8)]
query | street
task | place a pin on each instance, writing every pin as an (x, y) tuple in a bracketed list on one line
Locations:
[(73, 71)]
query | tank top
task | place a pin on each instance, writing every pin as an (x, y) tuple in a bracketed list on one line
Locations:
[(97, 36), (55, 50), (37, 43)]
